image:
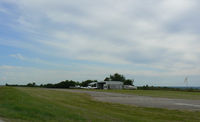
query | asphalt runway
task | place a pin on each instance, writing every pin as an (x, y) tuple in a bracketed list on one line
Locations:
[(142, 101)]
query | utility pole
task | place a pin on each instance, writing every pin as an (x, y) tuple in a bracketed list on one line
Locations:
[(186, 81)]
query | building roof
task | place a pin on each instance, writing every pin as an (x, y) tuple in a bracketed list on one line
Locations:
[(111, 82), (92, 83)]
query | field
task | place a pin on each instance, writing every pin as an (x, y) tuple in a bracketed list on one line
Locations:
[(159, 93), (34, 104)]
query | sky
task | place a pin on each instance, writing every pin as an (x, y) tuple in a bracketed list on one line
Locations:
[(154, 42)]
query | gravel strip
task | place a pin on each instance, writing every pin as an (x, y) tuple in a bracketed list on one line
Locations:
[(141, 101)]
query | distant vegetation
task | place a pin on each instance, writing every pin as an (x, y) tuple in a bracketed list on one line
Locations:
[(72, 84), (146, 87), (63, 84), (114, 77), (119, 77)]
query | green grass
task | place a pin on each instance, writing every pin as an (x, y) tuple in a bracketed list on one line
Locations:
[(159, 93), (34, 104)]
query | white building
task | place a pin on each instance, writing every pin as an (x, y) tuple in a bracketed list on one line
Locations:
[(109, 85)]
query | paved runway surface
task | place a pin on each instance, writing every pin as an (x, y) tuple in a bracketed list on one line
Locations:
[(142, 101)]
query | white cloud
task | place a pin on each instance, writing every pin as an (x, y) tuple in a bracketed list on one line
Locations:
[(18, 56), (37, 60), (133, 33), (3, 10)]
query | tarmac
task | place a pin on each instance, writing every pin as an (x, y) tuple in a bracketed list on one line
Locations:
[(142, 101)]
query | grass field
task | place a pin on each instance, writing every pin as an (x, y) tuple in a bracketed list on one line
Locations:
[(159, 93), (34, 104)]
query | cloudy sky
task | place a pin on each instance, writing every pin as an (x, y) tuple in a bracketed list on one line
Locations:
[(155, 42)]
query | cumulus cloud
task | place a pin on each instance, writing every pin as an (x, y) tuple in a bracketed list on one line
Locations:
[(153, 34)]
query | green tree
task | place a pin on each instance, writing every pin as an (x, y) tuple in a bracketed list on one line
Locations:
[(62, 84), (117, 77), (128, 82), (65, 84), (31, 84), (107, 79)]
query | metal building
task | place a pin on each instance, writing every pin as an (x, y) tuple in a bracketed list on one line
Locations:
[(109, 85)]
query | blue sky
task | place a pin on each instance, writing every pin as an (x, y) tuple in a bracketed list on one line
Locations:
[(154, 42)]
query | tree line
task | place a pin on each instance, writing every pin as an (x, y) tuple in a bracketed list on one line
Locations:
[(119, 77), (72, 84)]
